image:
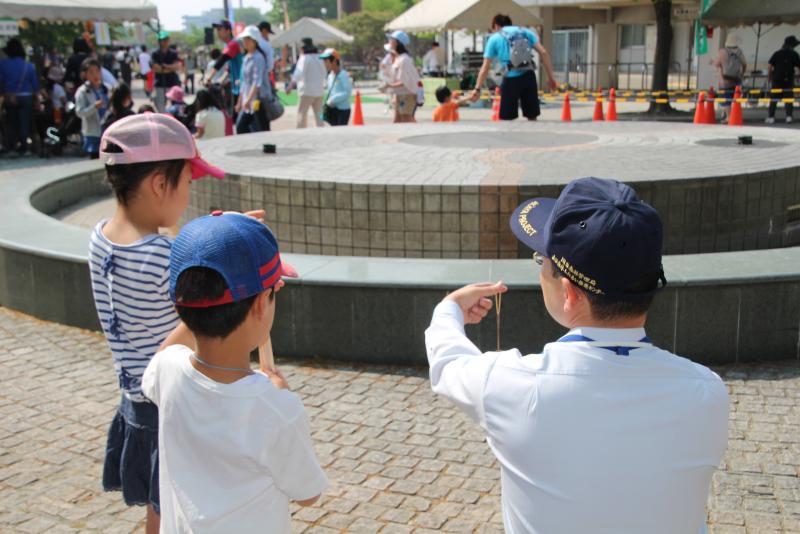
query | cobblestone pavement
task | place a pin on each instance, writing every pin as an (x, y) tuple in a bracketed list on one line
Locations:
[(399, 459)]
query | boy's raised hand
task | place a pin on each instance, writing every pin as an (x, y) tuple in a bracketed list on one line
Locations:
[(257, 215), (277, 378), (474, 299)]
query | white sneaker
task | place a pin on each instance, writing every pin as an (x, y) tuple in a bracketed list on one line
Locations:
[(770, 120), (789, 120)]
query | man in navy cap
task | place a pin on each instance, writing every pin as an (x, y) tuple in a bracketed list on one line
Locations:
[(601, 431)]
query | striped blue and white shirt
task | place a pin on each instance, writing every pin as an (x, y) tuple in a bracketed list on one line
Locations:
[(130, 284)]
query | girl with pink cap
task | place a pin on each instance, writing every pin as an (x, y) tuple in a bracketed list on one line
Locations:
[(150, 161)]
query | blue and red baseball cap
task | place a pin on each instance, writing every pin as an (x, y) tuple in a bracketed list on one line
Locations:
[(599, 234), (240, 248)]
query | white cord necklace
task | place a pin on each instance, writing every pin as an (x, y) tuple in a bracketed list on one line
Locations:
[(241, 369)]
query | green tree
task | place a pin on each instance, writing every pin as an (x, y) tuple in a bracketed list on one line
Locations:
[(302, 8), (394, 7), (367, 30), (49, 36), (248, 15), (192, 38)]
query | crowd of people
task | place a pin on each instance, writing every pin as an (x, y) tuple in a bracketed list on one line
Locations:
[(79, 96), (62, 100), (75, 98)]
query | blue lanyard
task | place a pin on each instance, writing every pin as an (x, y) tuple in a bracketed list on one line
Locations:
[(620, 351)]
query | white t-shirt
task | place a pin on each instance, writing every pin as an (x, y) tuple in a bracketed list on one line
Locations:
[(432, 60), (589, 440), (144, 63), (403, 70), (231, 456), (212, 121), (309, 75)]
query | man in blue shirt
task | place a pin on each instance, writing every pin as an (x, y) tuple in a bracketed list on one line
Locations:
[(19, 84), (519, 81)]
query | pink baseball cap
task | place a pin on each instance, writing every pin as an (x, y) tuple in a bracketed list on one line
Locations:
[(154, 137)]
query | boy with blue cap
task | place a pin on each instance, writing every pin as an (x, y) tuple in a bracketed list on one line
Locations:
[(234, 444), (602, 431)]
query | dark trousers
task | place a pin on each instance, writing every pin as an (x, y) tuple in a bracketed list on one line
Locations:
[(516, 92), (339, 117), (786, 93), (189, 79), (252, 122), (18, 123)]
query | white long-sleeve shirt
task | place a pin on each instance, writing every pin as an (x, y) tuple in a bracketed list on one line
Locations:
[(588, 440), (309, 75), (433, 60)]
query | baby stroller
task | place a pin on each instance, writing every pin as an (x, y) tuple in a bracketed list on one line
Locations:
[(56, 135)]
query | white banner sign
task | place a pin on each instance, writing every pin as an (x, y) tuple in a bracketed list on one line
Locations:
[(9, 28), (102, 35)]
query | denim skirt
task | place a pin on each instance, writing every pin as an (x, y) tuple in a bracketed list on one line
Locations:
[(131, 462)]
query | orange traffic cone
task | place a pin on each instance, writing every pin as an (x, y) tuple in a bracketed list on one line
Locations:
[(358, 115), (612, 105), (736, 108), (710, 116), (699, 109), (566, 110), (598, 109), (496, 105)]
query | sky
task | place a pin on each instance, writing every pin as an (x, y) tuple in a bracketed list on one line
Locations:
[(171, 11)]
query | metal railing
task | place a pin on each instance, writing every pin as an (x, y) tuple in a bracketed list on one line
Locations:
[(584, 75)]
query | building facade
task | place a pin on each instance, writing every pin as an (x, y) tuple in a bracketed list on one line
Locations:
[(611, 43)]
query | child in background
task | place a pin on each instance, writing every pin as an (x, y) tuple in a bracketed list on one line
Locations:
[(121, 104), (91, 104), (177, 107), (209, 119), (150, 160), (447, 110), (235, 445), (420, 94), (58, 99)]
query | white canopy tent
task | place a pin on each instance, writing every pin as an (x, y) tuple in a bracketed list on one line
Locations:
[(438, 15), (317, 29), (747, 13), (68, 10)]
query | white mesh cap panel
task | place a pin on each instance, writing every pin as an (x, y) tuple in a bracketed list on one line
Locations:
[(147, 137)]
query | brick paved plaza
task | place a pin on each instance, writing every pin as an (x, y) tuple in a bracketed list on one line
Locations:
[(399, 459)]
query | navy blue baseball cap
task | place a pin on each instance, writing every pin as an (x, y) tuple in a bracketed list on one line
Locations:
[(599, 234), (240, 248)]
